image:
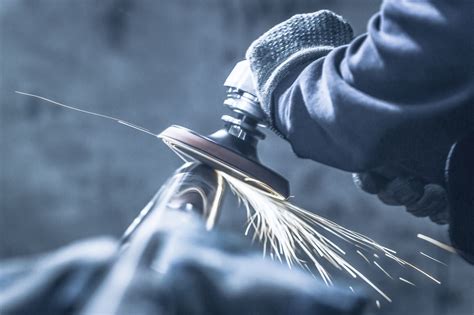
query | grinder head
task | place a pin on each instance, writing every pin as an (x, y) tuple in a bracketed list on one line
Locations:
[(223, 157), (233, 149)]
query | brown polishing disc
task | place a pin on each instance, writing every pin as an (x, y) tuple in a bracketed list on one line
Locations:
[(211, 153)]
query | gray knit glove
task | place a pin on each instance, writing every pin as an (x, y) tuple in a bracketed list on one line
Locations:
[(302, 38)]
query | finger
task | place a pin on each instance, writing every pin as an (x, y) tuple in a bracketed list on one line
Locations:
[(441, 218), (402, 191), (433, 201), (387, 198)]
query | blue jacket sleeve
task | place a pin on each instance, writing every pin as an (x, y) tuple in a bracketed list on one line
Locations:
[(400, 94)]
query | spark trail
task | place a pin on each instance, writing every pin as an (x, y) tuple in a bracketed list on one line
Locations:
[(284, 229)]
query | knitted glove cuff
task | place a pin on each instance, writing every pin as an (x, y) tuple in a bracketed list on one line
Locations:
[(302, 38)]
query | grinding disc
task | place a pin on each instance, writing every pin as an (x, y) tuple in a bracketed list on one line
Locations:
[(221, 158)]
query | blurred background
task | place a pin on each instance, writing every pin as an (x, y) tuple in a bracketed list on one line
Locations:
[(66, 176)]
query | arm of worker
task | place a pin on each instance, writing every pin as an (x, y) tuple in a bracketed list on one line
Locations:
[(399, 95)]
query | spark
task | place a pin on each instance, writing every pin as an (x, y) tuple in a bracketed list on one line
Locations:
[(406, 281), (285, 228), (404, 262), (118, 120), (383, 270), (377, 302), (352, 289), (441, 245), (363, 256), (434, 259)]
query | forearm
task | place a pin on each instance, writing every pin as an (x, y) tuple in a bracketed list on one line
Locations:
[(390, 96), (398, 96)]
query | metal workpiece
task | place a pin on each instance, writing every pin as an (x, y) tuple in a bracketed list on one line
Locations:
[(200, 190), (194, 188)]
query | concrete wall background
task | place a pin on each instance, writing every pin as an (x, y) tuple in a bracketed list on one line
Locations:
[(66, 176)]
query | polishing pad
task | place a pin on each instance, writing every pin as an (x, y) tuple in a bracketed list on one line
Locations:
[(227, 160)]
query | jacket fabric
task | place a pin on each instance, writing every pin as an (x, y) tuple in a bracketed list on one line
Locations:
[(400, 95)]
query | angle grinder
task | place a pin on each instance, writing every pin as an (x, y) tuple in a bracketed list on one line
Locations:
[(233, 149)]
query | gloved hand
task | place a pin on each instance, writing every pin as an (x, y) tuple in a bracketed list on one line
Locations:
[(419, 198), (294, 42)]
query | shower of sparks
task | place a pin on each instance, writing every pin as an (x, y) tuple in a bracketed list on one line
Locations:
[(434, 259), (404, 262), (284, 229), (406, 281), (437, 243)]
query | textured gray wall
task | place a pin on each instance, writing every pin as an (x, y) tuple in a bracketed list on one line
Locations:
[(66, 176)]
